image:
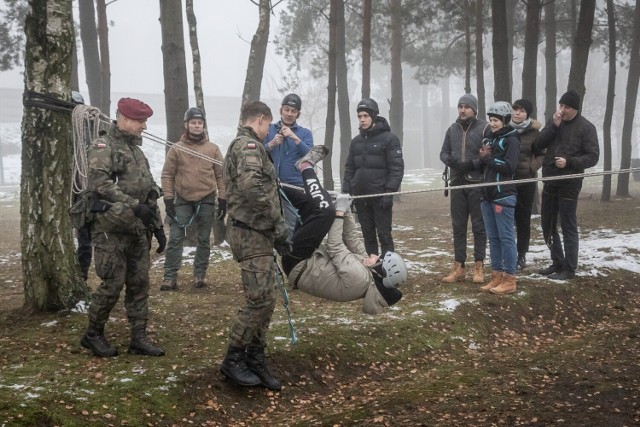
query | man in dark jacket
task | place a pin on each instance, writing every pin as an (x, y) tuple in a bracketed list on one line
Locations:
[(572, 146), (374, 166)]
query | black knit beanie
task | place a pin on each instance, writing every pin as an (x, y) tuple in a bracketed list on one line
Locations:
[(525, 104), (571, 99)]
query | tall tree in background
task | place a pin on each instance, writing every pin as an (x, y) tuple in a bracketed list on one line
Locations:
[(480, 58), (396, 113), (195, 55), (344, 113), (608, 112), (176, 91), (105, 63), (551, 85), (366, 48), (530, 63), (330, 123), (501, 66), (581, 45), (257, 55), (467, 44), (12, 34), (89, 38), (630, 104), (50, 273)]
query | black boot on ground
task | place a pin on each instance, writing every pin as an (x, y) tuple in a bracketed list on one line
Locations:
[(257, 364), (95, 341), (234, 366), (140, 344)]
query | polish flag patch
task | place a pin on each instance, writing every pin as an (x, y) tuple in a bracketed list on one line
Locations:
[(101, 145), (251, 145)]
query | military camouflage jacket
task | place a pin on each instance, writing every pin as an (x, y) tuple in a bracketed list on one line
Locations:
[(119, 171), (250, 183)]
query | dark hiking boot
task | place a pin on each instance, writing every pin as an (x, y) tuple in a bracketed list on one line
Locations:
[(314, 156), (562, 275), (550, 270), (522, 262), (199, 282), (234, 367), (256, 362), (140, 344), (169, 285), (95, 341)]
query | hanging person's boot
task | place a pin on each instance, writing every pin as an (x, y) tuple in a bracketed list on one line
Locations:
[(140, 343), (95, 341), (256, 362), (234, 367)]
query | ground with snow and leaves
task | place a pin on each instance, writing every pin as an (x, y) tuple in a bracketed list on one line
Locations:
[(554, 353)]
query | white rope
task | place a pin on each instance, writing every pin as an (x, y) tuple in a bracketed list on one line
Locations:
[(87, 123)]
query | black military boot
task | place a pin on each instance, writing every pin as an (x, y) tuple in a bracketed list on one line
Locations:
[(140, 344), (234, 367), (257, 364), (95, 341)]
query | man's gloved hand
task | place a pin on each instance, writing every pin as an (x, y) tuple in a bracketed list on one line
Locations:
[(143, 212), (343, 202), (386, 202), (282, 244), (161, 238), (452, 162), (170, 207), (100, 206), (222, 209)]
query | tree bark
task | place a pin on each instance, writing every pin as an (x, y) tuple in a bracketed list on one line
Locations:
[(630, 105), (467, 45), (366, 48), (195, 54), (50, 273), (530, 63), (396, 113), (257, 56), (330, 123), (500, 43), (90, 52), (176, 91), (608, 112), (580, 51), (480, 58), (105, 65), (344, 113), (551, 87)]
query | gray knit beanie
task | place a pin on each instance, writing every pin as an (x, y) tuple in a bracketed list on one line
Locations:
[(470, 100)]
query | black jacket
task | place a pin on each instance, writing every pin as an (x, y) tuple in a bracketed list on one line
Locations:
[(374, 164)]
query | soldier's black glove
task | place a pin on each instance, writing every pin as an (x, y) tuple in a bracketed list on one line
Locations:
[(170, 207), (143, 212), (222, 209), (385, 202), (100, 206), (161, 238), (282, 244)]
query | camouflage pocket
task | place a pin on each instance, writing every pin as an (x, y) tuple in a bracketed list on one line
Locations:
[(80, 212), (119, 219), (106, 258)]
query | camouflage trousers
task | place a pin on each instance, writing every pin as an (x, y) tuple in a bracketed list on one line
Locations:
[(254, 251), (121, 259)]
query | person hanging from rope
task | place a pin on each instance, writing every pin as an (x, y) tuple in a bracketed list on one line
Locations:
[(192, 185), (340, 269)]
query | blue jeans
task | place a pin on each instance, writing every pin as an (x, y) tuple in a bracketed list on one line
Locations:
[(499, 224)]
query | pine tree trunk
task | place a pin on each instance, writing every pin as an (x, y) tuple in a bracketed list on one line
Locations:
[(105, 64), (530, 63), (551, 88), (480, 59), (50, 273), (608, 112), (344, 113), (366, 48), (500, 43), (396, 113), (195, 55), (467, 44), (89, 38), (330, 123), (580, 50), (257, 56), (630, 105)]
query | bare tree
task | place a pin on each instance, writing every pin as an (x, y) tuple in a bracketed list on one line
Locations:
[(551, 88), (344, 113), (50, 272), (396, 113), (581, 45), (366, 48), (105, 65), (501, 65), (90, 52), (608, 112), (630, 104), (330, 123), (480, 58), (176, 91), (530, 63), (195, 54), (257, 55)]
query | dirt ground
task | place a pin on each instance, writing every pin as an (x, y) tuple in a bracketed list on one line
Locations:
[(561, 354)]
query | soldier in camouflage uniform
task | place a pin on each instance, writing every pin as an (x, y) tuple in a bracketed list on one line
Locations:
[(126, 215), (256, 225)]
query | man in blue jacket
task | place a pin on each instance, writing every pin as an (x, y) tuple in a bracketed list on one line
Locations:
[(288, 142)]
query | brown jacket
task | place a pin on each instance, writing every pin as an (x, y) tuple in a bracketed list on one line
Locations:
[(529, 162), (190, 177)]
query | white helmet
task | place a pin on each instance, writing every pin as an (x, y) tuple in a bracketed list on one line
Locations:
[(502, 110), (395, 270)]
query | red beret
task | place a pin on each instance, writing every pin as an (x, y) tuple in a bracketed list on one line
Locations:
[(134, 109)]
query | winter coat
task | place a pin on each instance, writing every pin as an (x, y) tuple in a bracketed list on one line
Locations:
[(529, 161), (288, 153), (374, 163), (462, 144), (575, 140), (191, 177)]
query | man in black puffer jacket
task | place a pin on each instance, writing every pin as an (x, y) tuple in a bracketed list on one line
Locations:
[(374, 166)]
